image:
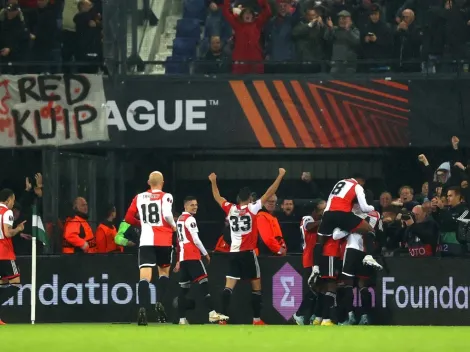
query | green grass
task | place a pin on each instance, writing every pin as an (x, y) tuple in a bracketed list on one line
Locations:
[(243, 338)]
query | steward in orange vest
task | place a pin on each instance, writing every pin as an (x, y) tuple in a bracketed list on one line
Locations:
[(270, 240), (105, 234), (78, 236)]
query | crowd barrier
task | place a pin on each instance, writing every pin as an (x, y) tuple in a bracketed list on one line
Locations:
[(102, 288)]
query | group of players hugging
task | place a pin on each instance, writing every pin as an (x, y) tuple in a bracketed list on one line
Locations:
[(338, 243)]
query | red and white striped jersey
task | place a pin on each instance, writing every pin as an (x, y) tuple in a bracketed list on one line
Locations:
[(309, 240), (242, 222), (6, 245), (190, 246), (152, 208), (355, 240), (344, 194)]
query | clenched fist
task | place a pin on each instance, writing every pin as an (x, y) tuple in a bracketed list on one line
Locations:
[(422, 159), (282, 171), (455, 140), (212, 177)]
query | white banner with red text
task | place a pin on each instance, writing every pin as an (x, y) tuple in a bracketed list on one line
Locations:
[(52, 110)]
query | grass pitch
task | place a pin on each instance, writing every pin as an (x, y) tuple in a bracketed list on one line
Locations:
[(242, 338)]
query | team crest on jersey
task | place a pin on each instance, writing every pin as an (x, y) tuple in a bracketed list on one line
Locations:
[(169, 200), (193, 225)]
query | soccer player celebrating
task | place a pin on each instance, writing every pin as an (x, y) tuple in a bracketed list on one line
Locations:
[(244, 237), (308, 229), (353, 268), (153, 209), (9, 273), (190, 266), (338, 214)]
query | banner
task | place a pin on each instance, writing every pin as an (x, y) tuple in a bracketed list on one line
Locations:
[(268, 113), (52, 110), (103, 288)]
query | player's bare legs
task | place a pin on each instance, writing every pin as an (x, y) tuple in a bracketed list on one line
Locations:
[(163, 281), (144, 294)]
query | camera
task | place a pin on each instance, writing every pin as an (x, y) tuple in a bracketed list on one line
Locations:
[(407, 215)]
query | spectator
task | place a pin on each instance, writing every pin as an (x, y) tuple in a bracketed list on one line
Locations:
[(448, 220), (385, 201), (390, 239), (408, 41), (420, 8), (423, 196), (345, 41), (280, 48), (406, 198), (106, 232), (377, 40), (309, 39), (442, 178), (69, 36), (446, 37), (338, 6), (289, 222), (89, 45), (78, 236), (216, 25), (46, 44), (271, 240), (215, 60), (14, 39), (421, 233), (247, 52)]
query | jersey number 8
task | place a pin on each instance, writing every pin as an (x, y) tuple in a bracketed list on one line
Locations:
[(150, 213), (242, 223)]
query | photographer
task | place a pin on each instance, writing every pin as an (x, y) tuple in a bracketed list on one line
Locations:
[(390, 239), (420, 232), (448, 220)]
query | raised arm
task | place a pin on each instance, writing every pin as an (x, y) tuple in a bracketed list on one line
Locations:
[(273, 188), (226, 11), (215, 190), (265, 14)]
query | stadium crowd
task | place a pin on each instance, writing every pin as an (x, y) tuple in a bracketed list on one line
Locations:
[(428, 221), (342, 36), (39, 36)]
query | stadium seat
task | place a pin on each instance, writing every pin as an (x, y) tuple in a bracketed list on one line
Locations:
[(176, 65), (188, 28), (185, 47)]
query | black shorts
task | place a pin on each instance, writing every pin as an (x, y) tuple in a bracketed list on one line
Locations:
[(192, 271), (346, 221), (150, 256), (330, 267), (243, 266), (353, 267), (8, 270)]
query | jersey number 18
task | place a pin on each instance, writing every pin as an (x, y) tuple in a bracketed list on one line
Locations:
[(150, 213)]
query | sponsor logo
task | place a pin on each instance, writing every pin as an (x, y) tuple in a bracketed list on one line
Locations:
[(93, 291), (287, 291), (446, 297), (142, 115)]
